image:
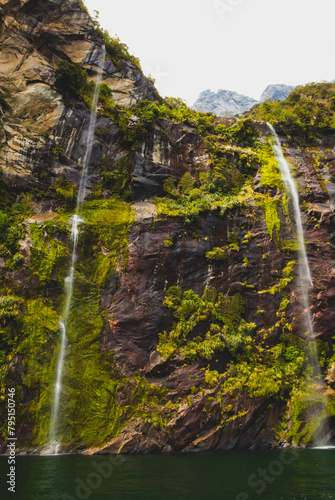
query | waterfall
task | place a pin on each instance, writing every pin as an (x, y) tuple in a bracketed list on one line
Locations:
[(305, 278), (90, 136), (292, 193), (75, 221)]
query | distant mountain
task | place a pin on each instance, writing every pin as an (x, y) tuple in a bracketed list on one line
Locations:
[(228, 103), (278, 91), (223, 102)]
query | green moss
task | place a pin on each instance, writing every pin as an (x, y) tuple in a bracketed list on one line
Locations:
[(272, 220), (212, 377), (186, 183), (107, 212), (9, 307), (287, 277), (64, 192), (270, 173), (11, 232), (302, 417), (49, 256), (267, 371), (106, 228), (190, 209), (168, 242), (30, 330), (217, 322), (6, 198), (39, 329), (247, 237), (112, 399), (210, 294), (116, 179), (216, 254)]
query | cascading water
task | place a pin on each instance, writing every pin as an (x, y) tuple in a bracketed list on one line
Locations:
[(76, 220), (305, 278)]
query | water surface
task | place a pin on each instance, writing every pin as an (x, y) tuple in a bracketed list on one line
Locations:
[(234, 475)]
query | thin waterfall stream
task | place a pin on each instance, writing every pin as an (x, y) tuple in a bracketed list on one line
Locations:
[(305, 282), (76, 220)]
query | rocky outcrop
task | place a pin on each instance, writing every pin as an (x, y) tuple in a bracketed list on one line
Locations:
[(34, 37)]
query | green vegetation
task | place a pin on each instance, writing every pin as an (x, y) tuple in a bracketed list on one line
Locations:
[(307, 109), (266, 370), (6, 199), (49, 255), (148, 114), (216, 254), (116, 179), (303, 411), (211, 329), (209, 325), (206, 325), (30, 330), (168, 242), (65, 192), (71, 80)]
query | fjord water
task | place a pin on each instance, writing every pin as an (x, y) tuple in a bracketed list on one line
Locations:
[(233, 475), (305, 281), (76, 220)]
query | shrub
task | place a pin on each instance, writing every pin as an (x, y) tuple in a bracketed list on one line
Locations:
[(216, 254), (71, 80), (65, 192), (186, 183), (168, 242)]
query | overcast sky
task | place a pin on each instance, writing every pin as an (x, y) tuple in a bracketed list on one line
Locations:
[(242, 45)]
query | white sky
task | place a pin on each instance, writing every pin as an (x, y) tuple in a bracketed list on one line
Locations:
[(244, 45)]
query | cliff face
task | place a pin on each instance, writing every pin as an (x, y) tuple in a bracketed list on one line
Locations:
[(35, 36), (187, 328)]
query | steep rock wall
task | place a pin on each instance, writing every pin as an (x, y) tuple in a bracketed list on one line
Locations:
[(147, 393)]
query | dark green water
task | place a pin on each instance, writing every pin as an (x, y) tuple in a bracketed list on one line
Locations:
[(249, 475)]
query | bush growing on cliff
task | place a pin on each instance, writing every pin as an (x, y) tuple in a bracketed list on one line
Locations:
[(65, 192), (216, 254), (71, 80), (206, 325), (115, 178), (242, 133), (5, 196)]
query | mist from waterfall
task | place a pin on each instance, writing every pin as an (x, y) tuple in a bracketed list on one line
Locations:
[(76, 220), (305, 279)]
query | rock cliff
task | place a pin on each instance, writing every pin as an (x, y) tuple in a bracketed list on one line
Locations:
[(187, 330)]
